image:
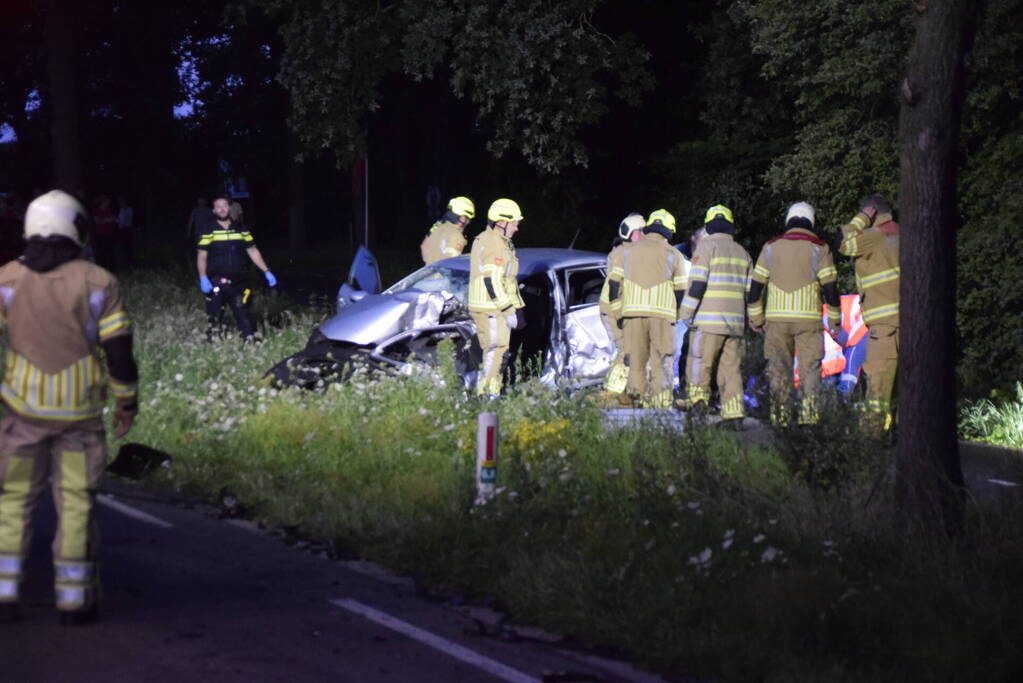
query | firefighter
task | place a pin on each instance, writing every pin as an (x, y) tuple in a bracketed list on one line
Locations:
[(494, 301), (647, 287), (871, 238), (65, 322), (447, 236), (714, 311), (225, 250), (796, 271), (630, 230)]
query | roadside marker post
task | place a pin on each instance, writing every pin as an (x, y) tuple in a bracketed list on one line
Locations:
[(486, 457)]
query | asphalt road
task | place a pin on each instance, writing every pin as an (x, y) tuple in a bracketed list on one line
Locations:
[(190, 597)]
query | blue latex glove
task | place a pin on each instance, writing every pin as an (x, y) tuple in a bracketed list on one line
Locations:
[(205, 285), (270, 279)]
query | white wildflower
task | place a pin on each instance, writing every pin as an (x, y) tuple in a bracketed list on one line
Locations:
[(178, 377), (769, 554), (448, 427), (759, 538), (562, 453), (671, 489), (726, 544), (693, 505), (309, 437), (423, 411), (703, 558), (613, 472)]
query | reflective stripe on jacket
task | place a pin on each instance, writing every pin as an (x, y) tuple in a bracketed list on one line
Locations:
[(723, 266), (493, 258), (875, 252)]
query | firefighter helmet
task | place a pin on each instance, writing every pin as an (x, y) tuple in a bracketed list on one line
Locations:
[(504, 210), (633, 222), (54, 213), (801, 210), (462, 206), (719, 211), (664, 218)]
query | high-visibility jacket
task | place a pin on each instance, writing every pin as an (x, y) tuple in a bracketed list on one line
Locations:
[(792, 269), (493, 274), (614, 260), (718, 282), (651, 272), (57, 321), (445, 240), (875, 252), (226, 249)]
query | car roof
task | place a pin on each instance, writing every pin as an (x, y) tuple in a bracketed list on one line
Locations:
[(539, 260)]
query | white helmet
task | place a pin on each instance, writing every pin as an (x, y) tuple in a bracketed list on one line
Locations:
[(632, 223), (53, 213), (801, 210)]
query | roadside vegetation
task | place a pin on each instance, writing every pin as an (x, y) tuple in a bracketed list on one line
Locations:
[(698, 552), (998, 420)]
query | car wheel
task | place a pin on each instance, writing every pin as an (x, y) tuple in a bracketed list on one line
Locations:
[(315, 367)]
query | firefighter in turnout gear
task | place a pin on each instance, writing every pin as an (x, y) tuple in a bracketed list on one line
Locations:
[(714, 310), (871, 238), (645, 288), (447, 236), (223, 261), (494, 300), (630, 230), (797, 271), (69, 339)]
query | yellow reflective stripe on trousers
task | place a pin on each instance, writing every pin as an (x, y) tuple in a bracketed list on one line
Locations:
[(17, 484), (75, 505), (733, 408), (617, 378)]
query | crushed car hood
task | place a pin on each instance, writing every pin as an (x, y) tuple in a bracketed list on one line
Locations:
[(377, 317)]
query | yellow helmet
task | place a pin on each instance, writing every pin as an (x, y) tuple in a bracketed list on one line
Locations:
[(53, 213), (462, 206), (663, 218), (504, 210), (719, 210)]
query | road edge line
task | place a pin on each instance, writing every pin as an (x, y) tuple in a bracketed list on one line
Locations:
[(491, 666), (108, 500)]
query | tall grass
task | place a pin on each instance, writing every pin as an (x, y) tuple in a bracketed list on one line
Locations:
[(998, 422), (694, 551)]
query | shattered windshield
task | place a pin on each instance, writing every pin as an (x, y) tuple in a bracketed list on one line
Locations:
[(435, 279)]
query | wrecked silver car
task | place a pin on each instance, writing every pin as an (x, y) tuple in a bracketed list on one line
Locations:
[(563, 338)]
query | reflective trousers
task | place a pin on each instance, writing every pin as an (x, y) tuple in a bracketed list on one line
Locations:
[(229, 293), (618, 374), (72, 458), (494, 336), (706, 349), (881, 366), (649, 349), (782, 340)]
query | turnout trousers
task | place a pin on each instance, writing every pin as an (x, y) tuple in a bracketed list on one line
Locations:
[(72, 459), (233, 293), (494, 336), (782, 340), (618, 374), (649, 350), (881, 366), (706, 349)]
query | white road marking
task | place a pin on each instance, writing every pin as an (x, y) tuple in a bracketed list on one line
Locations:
[(1002, 482), (108, 500), (493, 667)]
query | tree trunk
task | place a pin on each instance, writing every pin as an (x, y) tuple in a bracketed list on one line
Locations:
[(929, 477), (67, 162)]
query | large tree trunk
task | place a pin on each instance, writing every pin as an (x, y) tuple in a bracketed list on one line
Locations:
[(929, 478), (67, 162)]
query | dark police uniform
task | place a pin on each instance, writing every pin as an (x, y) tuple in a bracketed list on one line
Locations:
[(227, 266)]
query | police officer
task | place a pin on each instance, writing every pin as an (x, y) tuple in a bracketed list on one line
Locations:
[(715, 307), (630, 230), (225, 250), (796, 271), (871, 238), (494, 300), (649, 283), (447, 236), (65, 322)]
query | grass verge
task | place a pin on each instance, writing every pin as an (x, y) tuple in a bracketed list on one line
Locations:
[(693, 552)]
